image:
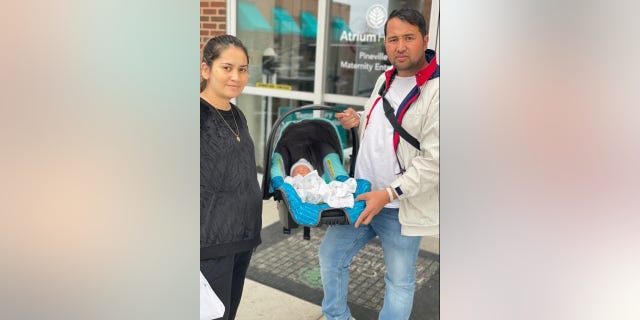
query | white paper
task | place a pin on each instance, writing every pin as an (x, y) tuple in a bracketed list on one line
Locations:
[(210, 305)]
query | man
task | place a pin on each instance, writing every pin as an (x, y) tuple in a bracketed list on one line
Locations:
[(403, 205)]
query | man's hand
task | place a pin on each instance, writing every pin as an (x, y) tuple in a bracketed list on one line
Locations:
[(375, 202), (349, 118)]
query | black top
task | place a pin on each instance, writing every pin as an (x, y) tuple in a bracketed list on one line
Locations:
[(230, 197)]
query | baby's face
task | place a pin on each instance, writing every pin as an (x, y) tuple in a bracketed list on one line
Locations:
[(300, 170)]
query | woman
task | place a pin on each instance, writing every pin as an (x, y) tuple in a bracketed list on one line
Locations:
[(230, 197)]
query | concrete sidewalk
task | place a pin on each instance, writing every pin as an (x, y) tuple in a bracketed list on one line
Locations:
[(260, 302)]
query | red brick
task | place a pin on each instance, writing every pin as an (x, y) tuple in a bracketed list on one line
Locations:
[(218, 4), (204, 18), (204, 32), (204, 4), (222, 11), (209, 25), (222, 26), (218, 18), (209, 11)]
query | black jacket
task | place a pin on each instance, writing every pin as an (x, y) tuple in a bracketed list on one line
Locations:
[(230, 197)]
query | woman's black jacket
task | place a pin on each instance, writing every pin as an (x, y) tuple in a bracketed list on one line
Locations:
[(230, 197)]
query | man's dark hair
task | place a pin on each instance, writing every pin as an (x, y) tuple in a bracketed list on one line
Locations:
[(411, 16)]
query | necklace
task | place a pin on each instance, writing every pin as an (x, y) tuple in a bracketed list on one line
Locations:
[(228, 126)]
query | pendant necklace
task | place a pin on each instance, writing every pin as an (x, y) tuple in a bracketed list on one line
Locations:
[(228, 126)]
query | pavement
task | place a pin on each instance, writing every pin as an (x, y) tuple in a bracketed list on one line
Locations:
[(261, 302)]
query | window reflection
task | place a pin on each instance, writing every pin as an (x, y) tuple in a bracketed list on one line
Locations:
[(356, 55), (261, 113), (281, 39)]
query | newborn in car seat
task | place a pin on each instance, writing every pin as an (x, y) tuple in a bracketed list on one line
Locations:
[(311, 188)]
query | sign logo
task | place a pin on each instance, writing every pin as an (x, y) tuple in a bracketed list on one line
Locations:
[(376, 16)]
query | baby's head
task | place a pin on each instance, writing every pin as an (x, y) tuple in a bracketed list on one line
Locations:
[(301, 168)]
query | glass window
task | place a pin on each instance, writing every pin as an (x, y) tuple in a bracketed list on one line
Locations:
[(261, 113), (356, 54), (281, 39)]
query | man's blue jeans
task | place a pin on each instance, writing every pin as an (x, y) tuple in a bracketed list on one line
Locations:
[(342, 242)]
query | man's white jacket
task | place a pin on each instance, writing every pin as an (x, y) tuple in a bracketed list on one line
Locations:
[(420, 184)]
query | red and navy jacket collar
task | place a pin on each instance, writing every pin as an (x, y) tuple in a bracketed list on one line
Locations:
[(430, 71)]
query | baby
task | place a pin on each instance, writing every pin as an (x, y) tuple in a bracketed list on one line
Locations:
[(311, 188), (301, 168)]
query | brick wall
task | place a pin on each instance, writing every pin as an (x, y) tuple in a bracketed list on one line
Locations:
[(213, 17)]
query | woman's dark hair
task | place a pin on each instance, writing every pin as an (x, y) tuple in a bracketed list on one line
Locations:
[(411, 16), (214, 47)]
